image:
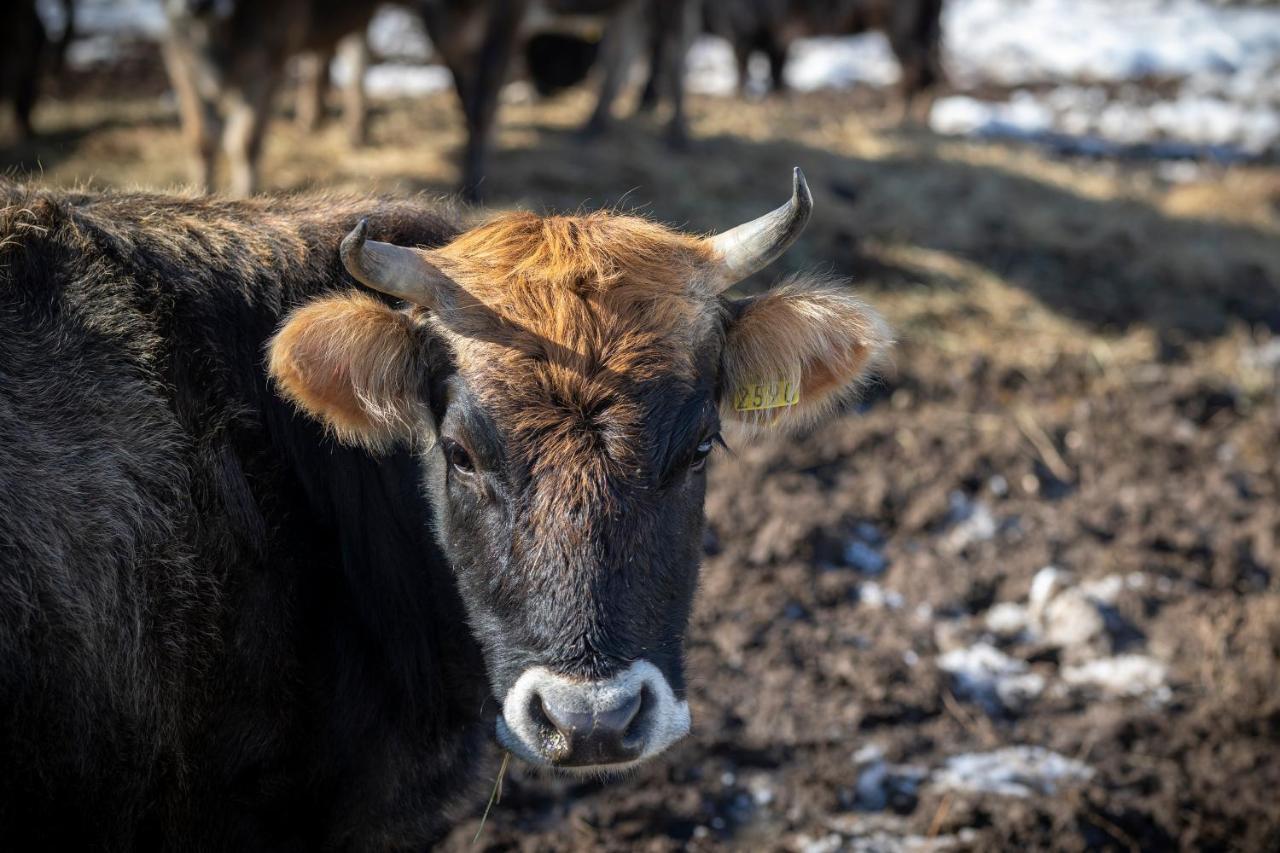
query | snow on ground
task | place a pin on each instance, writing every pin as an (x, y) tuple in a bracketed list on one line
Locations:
[(1015, 771), (1021, 41), (1225, 63), (984, 674), (1123, 675)]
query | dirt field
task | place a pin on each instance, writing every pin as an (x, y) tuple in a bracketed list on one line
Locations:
[(1086, 379)]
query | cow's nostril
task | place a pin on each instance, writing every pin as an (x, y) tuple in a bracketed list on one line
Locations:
[(617, 721), (593, 729), (634, 732), (537, 711)]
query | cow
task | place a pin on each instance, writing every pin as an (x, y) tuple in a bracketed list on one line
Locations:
[(477, 40), (287, 561), (913, 27), (226, 60), (25, 54)]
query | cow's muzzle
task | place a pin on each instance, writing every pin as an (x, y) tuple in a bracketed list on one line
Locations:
[(557, 721)]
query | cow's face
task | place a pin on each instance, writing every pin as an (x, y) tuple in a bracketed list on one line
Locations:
[(566, 379)]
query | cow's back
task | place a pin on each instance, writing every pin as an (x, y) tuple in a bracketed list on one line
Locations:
[(149, 525)]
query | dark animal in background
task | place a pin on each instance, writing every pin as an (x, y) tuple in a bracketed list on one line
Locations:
[(226, 59), (227, 625), (477, 40), (26, 54), (556, 61), (913, 28)]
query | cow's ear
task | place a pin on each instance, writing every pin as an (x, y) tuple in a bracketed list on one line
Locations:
[(355, 365), (796, 352)]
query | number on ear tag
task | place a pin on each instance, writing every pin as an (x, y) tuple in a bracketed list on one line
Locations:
[(766, 395)]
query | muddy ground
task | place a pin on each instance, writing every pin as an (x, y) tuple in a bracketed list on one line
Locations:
[(1086, 379)]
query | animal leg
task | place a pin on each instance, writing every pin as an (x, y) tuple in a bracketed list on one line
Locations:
[(742, 57), (242, 138), (480, 94), (313, 85), (679, 30), (354, 50), (198, 115), (616, 51), (652, 86), (777, 54)]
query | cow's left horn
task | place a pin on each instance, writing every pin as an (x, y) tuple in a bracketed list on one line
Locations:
[(395, 270), (754, 245)]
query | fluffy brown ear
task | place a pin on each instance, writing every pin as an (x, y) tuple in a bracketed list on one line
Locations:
[(797, 351), (353, 364)]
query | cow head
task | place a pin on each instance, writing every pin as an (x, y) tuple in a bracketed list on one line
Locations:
[(566, 379)]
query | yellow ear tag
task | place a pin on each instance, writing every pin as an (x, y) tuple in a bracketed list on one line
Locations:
[(766, 395)]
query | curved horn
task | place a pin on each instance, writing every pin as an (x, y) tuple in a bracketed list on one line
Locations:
[(395, 270), (754, 245)]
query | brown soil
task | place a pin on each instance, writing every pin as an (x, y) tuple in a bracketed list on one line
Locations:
[(1083, 353)]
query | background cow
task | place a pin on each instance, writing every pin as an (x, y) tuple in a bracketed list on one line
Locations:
[(221, 629), (477, 40), (226, 59), (913, 27)]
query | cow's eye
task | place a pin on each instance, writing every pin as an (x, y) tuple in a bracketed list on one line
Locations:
[(457, 456), (701, 453)]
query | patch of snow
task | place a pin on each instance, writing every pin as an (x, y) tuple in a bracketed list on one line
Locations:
[(1105, 589), (761, 788), (1070, 619), (826, 844), (986, 675), (1072, 117), (1007, 620), (1046, 583), (1072, 616), (1264, 356), (1063, 615), (1123, 675), (1024, 115), (971, 522), (710, 67), (1225, 63), (877, 597), (396, 33), (1036, 40), (1015, 771), (837, 63), (394, 80), (813, 64)]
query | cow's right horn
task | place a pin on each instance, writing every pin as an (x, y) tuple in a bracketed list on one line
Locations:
[(395, 270)]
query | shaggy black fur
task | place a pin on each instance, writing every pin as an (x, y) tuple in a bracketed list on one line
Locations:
[(218, 628)]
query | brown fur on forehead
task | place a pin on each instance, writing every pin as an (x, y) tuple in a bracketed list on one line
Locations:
[(521, 256), (576, 314)]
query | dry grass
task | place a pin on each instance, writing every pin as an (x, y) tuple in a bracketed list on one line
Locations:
[(992, 248)]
